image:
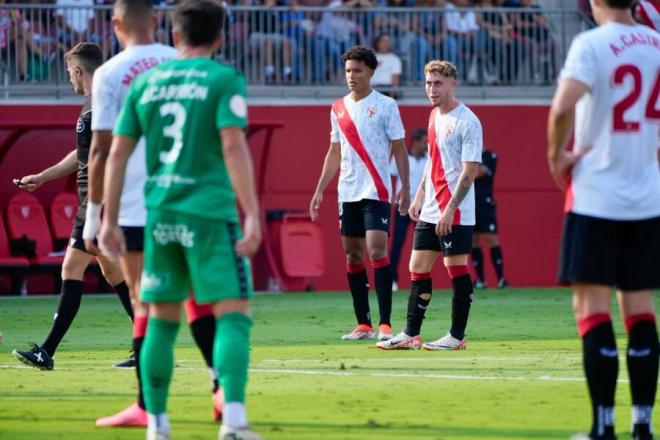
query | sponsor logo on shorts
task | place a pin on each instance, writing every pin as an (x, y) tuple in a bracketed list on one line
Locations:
[(384, 220), (152, 281), (447, 244), (165, 234)]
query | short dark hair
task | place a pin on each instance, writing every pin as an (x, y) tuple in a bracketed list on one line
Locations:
[(419, 133), (88, 55), (620, 4), (361, 53), (136, 11), (199, 21)]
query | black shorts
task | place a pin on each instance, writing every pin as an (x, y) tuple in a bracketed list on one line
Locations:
[(623, 254), (134, 236), (457, 243), (76, 241), (355, 218), (485, 216)]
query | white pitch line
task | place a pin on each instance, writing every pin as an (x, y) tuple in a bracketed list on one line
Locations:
[(544, 378), (431, 358)]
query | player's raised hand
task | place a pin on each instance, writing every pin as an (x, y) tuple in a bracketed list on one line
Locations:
[(561, 165), (29, 183), (444, 225), (414, 210), (249, 244), (314, 206), (111, 241), (403, 200)]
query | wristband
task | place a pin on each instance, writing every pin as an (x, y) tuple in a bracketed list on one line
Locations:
[(92, 221)]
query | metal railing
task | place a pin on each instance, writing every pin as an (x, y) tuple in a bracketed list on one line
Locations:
[(303, 46)]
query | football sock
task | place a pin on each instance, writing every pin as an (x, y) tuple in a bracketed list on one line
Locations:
[(121, 290), (66, 311), (203, 331), (478, 262), (383, 282), (157, 358), (601, 367), (421, 285), (359, 285), (498, 261), (461, 300), (642, 360), (233, 415), (231, 354), (139, 331)]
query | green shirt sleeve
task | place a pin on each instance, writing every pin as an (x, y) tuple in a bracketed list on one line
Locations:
[(128, 123), (232, 104)]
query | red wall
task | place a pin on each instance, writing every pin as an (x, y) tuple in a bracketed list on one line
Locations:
[(529, 206)]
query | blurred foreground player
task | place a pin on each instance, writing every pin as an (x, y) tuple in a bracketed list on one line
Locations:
[(134, 22), (609, 91), (193, 113)]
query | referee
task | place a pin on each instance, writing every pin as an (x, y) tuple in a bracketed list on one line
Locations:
[(81, 63), (486, 225)]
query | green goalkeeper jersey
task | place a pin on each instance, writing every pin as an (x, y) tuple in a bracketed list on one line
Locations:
[(180, 106)]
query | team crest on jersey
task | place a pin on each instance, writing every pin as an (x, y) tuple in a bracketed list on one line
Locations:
[(80, 127), (371, 112), (450, 130)]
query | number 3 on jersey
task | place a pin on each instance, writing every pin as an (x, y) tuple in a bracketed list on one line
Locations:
[(174, 130), (619, 124)]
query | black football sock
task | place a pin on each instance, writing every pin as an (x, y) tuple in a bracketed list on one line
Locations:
[(137, 346), (122, 292), (461, 300), (203, 331), (383, 282), (67, 308), (498, 261), (359, 285), (601, 367), (642, 360), (478, 262), (421, 284)]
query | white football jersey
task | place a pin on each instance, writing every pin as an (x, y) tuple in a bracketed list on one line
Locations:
[(619, 120), (365, 130), (109, 89), (454, 138)]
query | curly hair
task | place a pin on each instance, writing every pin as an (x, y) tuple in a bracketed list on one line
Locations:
[(444, 68), (361, 53)]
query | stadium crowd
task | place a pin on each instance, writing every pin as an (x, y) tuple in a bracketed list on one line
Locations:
[(294, 45)]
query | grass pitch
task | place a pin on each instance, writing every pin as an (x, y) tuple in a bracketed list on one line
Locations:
[(520, 378)]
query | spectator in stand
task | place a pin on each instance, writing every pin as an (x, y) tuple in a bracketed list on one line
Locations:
[(73, 20), (13, 50), (336, 32), (388, 74), (417, 158), (498, 51), (432, 29), (462, 27), (533, 30), (268, 38)]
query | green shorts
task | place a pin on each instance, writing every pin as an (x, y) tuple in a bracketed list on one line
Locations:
[(183, 252)]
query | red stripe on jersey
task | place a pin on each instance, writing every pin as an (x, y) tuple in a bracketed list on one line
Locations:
[(645, 13), (442, 190), (350, 131), (569, 198)]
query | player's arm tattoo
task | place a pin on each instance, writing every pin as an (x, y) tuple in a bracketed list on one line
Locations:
[(462, 188)]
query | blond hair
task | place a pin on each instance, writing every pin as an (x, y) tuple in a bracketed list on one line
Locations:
[(444, 68)]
